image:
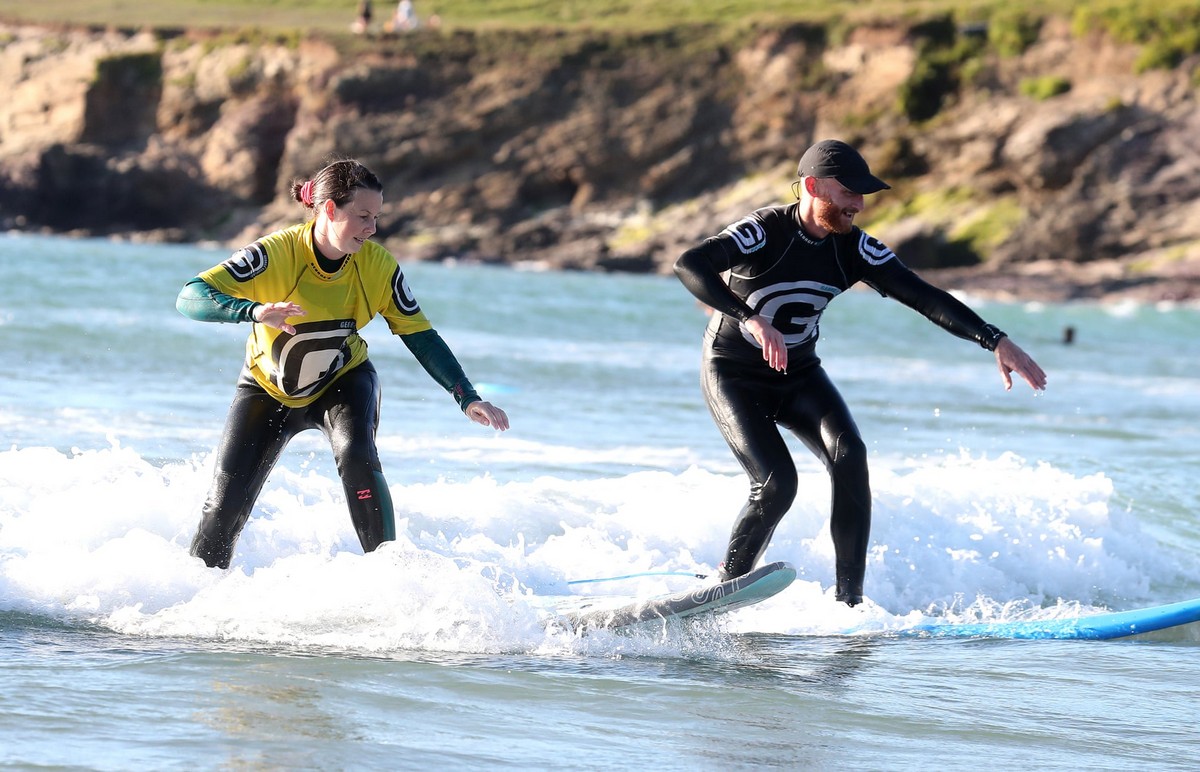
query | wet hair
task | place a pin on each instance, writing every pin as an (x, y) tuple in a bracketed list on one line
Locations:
[(337, 182)]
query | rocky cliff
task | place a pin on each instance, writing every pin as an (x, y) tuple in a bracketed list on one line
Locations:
[(1053, 173)]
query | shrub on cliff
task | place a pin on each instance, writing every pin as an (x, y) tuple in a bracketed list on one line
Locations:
[(937, 74)]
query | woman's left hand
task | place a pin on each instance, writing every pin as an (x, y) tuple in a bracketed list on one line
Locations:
[(487, 414)]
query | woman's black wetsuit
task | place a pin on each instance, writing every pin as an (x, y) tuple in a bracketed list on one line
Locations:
[(258, 429), (774, 269)]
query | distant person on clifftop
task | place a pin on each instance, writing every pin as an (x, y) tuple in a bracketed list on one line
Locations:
[(768, 278), (362, 22), (405, 19), (309, 290)]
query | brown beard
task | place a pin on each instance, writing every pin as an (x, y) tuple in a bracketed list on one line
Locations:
[(829, 217)]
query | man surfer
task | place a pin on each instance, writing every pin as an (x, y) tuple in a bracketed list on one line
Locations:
[(760, 369)]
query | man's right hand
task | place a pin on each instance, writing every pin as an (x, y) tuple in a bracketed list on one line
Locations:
[(774, 350)]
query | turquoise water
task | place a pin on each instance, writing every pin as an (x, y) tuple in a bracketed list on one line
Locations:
[(119, 651)]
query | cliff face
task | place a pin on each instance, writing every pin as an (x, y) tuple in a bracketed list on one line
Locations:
[(615, 153)]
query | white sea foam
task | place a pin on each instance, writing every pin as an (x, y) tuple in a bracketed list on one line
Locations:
[(103, 536)]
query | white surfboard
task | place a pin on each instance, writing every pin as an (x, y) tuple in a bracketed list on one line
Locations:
[(756, 586)]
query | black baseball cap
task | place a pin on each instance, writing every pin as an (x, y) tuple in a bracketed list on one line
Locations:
[(834, 158)]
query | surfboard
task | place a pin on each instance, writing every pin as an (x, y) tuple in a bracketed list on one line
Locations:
[(754, 587), (1093, 627)]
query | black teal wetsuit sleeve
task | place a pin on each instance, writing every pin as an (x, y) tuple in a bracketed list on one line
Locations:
[(200, 301), (441, 364)]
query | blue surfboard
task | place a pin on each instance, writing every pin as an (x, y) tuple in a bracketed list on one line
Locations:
[(1093, 627), (756, 586)]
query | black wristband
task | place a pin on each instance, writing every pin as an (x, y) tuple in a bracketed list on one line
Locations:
[(990, 336), (464, 394)]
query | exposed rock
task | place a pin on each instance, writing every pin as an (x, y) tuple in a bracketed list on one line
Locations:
[(924, 245), (243, 148), (608, 152)]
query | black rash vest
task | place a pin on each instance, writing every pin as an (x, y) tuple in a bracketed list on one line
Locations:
[(776, 270)]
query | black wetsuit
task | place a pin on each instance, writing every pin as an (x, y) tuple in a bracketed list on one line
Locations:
[(258, 429), (776, 270)]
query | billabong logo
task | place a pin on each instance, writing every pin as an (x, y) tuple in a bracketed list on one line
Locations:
[(364, 494)]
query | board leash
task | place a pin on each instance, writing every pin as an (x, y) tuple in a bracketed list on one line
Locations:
[(635, 576)]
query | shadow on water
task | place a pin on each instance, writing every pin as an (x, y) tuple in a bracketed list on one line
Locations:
[(696, 656), (754, 661)]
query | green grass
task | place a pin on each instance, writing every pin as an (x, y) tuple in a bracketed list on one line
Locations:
[(628, 15), (1166, 29), (1044, 87)]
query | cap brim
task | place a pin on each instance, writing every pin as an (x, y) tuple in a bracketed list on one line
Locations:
[(864, 185)]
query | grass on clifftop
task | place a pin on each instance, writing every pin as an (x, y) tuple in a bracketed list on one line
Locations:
[(328, 16)]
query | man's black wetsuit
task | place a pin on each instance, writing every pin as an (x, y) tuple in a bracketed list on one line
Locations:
[(774, 269)]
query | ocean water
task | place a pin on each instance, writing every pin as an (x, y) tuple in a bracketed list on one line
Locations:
[(119, 651)]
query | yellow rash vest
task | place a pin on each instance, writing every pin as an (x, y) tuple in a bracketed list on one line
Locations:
[(283, 267)]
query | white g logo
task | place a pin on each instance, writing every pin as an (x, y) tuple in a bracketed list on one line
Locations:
[(748, 234), (794, 308), (247, 262)]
